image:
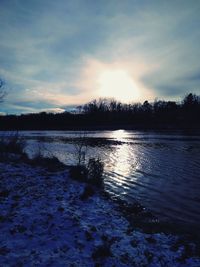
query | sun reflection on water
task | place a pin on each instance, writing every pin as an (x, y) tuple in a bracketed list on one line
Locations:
[(124, 157), (119, 135), (122, 165)]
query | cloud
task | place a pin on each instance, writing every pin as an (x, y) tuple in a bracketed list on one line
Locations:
[(30, 107), (52, 52), (53, 110)]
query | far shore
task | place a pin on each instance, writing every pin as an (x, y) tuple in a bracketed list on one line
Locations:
[(157, 128)]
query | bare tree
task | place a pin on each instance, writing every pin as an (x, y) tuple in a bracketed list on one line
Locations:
[(81, 147)]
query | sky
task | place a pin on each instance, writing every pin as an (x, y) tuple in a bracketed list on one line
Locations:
[(55, 55)]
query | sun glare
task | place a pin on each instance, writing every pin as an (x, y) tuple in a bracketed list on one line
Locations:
[(117, 84)]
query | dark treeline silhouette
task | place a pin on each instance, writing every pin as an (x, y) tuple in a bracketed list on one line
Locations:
[(111, 114)]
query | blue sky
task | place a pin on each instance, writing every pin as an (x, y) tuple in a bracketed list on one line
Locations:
[(62, 53)]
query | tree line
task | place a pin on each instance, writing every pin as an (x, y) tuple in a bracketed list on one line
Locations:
[(112, 114)]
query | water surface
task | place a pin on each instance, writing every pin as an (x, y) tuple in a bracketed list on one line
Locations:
[(160, 170)]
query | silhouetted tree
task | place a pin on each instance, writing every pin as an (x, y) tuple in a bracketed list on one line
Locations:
[(147, 107), (109, 113), (191, 107), (191, 101)]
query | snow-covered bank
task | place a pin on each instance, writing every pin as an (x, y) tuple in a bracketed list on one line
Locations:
[(45, 222)]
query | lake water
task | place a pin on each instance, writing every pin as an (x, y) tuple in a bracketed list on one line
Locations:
[(160, 170)]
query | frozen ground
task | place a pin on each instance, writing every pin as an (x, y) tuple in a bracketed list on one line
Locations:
[(44, 222)]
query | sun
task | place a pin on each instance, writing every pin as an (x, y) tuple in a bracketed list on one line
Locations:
[(117, 84)]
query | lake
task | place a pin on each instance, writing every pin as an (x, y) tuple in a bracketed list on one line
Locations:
[(161, 170)]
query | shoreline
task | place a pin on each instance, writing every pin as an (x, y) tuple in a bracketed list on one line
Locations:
[(186, 129), (37, 187), (143, 218)]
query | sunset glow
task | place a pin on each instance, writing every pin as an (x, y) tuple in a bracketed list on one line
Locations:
[(57, 55), (117, 84)]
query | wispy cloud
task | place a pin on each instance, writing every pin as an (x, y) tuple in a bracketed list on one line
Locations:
[(52, 52)]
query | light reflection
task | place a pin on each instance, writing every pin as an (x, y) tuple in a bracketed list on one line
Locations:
[(124, 158), (119, 135)]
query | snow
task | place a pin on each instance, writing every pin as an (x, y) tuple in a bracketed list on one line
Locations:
[(44, 222)]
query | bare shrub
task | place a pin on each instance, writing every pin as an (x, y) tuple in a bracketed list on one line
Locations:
[(81, 148), (79, 173), (45, 158), (91, 173), (95, 169), (12, 143), (51, 164)]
